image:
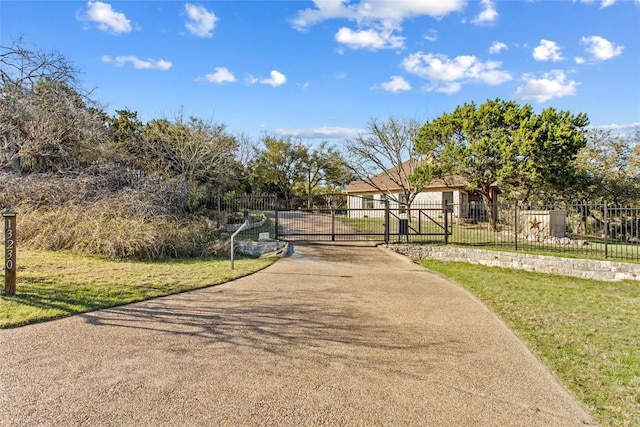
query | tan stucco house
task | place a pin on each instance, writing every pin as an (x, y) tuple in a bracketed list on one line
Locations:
[(365, 200)]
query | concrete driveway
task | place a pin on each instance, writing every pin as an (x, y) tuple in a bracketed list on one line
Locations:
[(334, 335), (301, 225)]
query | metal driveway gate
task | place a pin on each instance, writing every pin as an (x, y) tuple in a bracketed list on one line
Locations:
[(334, 217), (339, 217)]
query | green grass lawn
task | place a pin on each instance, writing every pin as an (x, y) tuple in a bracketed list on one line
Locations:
[(477, 235), (587, 332), (57, 284)]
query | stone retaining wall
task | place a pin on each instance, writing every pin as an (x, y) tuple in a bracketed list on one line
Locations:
[(590, 269), (234, 227), (258, 249)]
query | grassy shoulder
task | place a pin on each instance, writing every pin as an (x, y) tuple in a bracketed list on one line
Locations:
[(586, 331), (51, 285)]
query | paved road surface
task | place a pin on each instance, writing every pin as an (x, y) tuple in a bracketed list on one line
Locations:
[(299, 225), (335, 335)]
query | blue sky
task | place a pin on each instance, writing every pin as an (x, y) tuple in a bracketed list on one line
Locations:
[(322, 69)]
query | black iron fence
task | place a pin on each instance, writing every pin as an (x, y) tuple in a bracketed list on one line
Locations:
[(599, 230), (594, 229)]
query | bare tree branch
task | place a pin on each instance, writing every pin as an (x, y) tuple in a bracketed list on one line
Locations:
[(388, 151)]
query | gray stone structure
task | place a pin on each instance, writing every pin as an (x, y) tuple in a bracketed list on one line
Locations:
[(263, 249), (583, 268)]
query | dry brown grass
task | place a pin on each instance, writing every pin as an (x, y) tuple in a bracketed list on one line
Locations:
[(105, 215)]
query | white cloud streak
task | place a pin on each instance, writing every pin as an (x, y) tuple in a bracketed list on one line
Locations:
[(222, 75), (547, 50), (276, 79), (369, 39), (385, 12), (603, 3), (250, 79), (320, 133), (615, 126), (201, 22), (432, 35), (600, 48), (497, 47), (396, 84), (549, 86), (447, 75), (108, 20), (488, 15), (138, 64)]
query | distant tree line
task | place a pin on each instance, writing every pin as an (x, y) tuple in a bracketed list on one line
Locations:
[(60, 150), (49, 125), (79, 176)]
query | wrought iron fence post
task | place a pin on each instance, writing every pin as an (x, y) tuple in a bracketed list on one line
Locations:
[(387, 218), (606, 230), (333, 224), (275, 216), (446, 224), (515, 226)]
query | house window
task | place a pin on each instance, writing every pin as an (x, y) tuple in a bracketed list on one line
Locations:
[(402, 203), (367, 202), (447, 200)]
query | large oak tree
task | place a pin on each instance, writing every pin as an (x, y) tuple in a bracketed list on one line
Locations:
[(501, 142)]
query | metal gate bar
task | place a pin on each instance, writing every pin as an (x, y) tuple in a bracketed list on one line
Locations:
[(331, 218)]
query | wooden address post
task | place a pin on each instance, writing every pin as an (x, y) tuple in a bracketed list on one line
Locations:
[(9, 253)]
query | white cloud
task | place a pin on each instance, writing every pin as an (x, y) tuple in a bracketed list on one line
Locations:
[(603, 3), (323, 10), (488, 15), (432, 35), (107, 19), (365, 12), (276, 79), (547, 50), (579, 60), (369, 39), (138, 64), (250, 79), (201, 22), (497, 47), (448, 88), (447, 75), (320, 133), (600, 48), (396, 84), (615, 126), (222, 75), (551, 85)]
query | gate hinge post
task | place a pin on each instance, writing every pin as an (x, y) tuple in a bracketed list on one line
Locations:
[(387, 218)]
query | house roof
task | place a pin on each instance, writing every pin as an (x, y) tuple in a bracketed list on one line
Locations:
[(400, 173)]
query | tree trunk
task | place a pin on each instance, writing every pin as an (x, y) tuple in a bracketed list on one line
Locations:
[(490, 207), (584, 215)]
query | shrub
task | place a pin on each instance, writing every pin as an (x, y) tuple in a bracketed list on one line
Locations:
[(99, 229), (91, 215)]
